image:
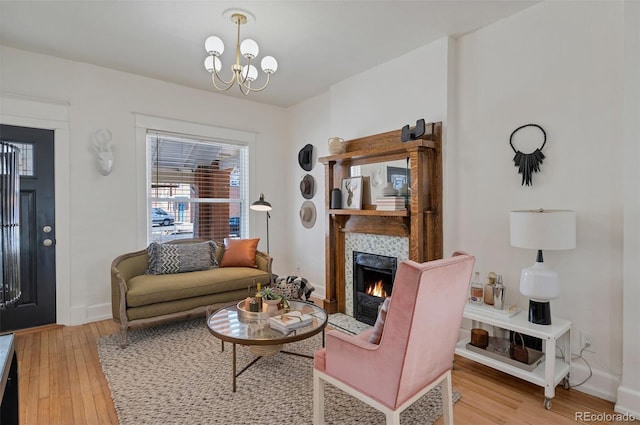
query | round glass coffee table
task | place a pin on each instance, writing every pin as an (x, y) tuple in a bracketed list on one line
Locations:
[(230, 325)]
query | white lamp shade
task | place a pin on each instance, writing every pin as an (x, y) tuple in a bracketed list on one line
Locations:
[(211, 63), (260, 207), (249, 48), (269, 64), (253, 73), (539, 283), (543, 229), (214, 45)]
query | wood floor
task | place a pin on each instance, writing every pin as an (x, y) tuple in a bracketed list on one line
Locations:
[(61, 382)]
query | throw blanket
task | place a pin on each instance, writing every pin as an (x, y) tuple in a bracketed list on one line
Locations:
[(293, 287)]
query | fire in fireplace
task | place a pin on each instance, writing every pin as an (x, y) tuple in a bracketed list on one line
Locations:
[(373, 277)]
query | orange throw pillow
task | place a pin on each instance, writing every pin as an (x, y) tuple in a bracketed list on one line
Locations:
[(239, 253)]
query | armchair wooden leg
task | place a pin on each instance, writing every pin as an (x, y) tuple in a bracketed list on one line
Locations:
[(318, 400), (447, 400)]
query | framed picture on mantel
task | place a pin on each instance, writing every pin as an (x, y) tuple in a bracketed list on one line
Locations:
[(352, 193)]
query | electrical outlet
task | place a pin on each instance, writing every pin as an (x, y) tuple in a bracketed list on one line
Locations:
[(586, 342)]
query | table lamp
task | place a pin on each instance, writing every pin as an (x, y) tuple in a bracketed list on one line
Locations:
[(541, 229)]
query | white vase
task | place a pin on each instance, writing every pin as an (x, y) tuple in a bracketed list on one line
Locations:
[(336, 145), (389, 190), (270, 306)]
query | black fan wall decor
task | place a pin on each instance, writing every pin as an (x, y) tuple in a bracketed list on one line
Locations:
[(528, 163)]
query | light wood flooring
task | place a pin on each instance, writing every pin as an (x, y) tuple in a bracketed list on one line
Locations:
[(61, 382)]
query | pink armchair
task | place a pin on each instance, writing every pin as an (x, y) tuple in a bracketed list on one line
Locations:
[(416, 349)]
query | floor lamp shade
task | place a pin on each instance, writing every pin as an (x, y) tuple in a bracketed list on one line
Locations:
[(541, 230)]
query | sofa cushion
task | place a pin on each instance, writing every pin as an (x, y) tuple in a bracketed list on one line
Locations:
[(150, 289), (239, 252), (168, 258)]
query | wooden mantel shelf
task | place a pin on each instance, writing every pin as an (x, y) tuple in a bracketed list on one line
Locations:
[(421, 222), (383, 152)]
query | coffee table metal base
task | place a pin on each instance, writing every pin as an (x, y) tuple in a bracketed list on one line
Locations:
[(235, 363)]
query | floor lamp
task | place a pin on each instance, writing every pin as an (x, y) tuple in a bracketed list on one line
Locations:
[(262, 205), (541, 229)]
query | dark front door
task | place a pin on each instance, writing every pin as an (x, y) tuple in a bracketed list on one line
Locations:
[(37, 305)]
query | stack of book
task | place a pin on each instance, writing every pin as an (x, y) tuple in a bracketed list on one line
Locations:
[(391, 203), (289, 321)]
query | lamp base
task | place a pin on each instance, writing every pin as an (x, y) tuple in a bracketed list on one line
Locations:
[(540, 312)]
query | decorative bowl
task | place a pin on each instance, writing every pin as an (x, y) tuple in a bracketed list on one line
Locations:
[(252, 315)]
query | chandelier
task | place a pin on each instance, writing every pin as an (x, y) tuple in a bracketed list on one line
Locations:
[(243, 75)]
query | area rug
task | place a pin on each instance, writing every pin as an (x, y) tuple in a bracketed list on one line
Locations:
[(347, 323), (176, 374)]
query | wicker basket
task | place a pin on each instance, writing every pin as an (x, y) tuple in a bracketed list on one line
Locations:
[(265, 350)]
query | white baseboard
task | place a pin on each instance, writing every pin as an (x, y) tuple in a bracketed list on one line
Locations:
[(87, 314), (628, 402), (98, 312), (320, 291), (601, 384), (77, 315)]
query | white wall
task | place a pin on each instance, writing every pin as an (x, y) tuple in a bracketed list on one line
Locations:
[(629, 391), (308, 123), (559, 65), (102, 214)]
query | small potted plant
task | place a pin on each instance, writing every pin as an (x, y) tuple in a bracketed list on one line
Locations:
[(272, 301)]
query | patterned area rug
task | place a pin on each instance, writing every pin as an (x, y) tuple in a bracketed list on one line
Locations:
[(176, 374)]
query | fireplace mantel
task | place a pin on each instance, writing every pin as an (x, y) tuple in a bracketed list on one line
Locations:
[(421, 222)]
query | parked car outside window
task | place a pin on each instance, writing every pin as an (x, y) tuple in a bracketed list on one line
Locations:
[(234, 226), (161, 217)]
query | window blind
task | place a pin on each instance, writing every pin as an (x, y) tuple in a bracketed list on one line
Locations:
[(198, 187)]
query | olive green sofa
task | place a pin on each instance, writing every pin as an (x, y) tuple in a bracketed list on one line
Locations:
[(139, 299)]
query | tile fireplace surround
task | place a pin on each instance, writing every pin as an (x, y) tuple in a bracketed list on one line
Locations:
[(391, 246)]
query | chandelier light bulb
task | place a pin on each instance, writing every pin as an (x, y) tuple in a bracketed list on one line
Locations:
[(269, 64), (211, 63), (214, 45), (253, 73), (249, 48), (208, 63)]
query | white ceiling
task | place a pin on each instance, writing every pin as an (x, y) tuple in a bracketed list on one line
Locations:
[(316, 43)]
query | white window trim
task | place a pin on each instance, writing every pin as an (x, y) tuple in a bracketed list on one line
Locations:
[(144, 123)]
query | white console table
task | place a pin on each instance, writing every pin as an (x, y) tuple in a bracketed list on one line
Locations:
[(552, 371)]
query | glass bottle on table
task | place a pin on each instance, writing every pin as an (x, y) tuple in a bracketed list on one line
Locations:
[(476, 290), (498, 294), (488, 288), (258, 296)]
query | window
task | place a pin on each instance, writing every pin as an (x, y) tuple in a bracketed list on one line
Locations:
[(197, 187), (25, 161)]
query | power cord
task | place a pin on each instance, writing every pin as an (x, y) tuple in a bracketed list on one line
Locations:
[(576, 357)]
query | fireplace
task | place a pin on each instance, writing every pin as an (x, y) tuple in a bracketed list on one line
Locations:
[(373, 277)]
